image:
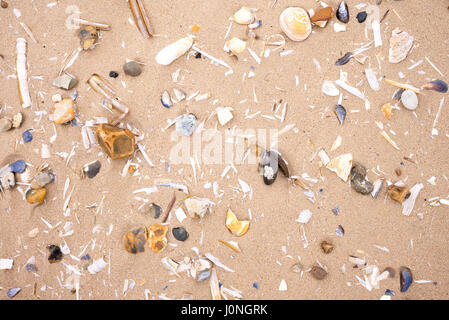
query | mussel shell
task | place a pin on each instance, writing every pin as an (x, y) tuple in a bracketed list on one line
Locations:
[(13, 292), (406, 278), (345, 59), (343, 12), (283, 166), (269, 163), (436, 85), (340, 112), (358, 170)]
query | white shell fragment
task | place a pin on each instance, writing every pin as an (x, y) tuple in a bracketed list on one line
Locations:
[(338, 27), (283, 285), (22, 76), (6, 264), (198, 206), (377, 186), (180, 214), (97, 266), (235, 45), (173, 51), (304, 216), (224, 114), (409, 100), (372, 80), (400, 44), (330, 89), (341, 165), (244, 16), (407, 205)]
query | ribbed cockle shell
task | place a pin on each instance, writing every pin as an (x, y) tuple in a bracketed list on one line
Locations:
[(295, 23)]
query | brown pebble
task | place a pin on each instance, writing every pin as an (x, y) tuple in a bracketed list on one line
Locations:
[(398, 172), (399, 194), (132, 68), (318, 273), (327, 246), (4, 4)]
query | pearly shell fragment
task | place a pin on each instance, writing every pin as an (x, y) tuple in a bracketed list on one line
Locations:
[(295, 23), (400, 44), (173, 51), (409, 100), (341, 165)]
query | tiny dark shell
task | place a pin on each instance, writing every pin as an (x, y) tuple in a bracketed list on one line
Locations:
[(361, 185), (436, 85), (327, 246), (343, 12), (340, 112), (166, 99), (318, 273), (361, 16), (283, 166), (406, 278), (56, 254), (269, 164), (398, 94), (345, 59)]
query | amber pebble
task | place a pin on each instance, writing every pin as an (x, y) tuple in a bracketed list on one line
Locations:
[(323, 14), (327, 246), (318, 273), (36, 195), (63, 111), (88, 36), (398, 194), (157, 237), (134, 241), (117, 143)]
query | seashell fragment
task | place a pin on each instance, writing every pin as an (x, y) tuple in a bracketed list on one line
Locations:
[(224, 115), (340, 113), (399, 194), (235, 45), (377, 186), (41, 179), (22, 76), (5, 124), (405, 278), (65, 81), (341, 165), (338, 27), (386, 109), (295, 23), (198, 206), (372, 79), (237, 227), (91, 169), (63, 111), (244, 16), (322, 15), (345, 59), (358, 180), (304, 216), (400, 44), (409, 100), (140, 17), (157, 237), (88, 36), (97, 266), (343, 12), (174, 50), (436, 85), (179, 94), (409, 203), (13, 292), (116, 142), (330, 89), (327, 246), (268, 166), (185, 124), (166, 99)]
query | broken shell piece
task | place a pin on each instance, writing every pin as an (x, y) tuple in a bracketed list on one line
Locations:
[(318, 273), (140, 17), (341, 165), (22, 76), (330, 89), (97, 266), (117, 143), (63, 111), (166, 99), (339, 27), (386, 109), (340, 113), (201, 269), (135, 240), (377, 186), (304, 216), (7, 180), (345, 59), (214, 285), (399, 194), (235, 45), (13, 292), (409, 100), (343, 12), (36, 195), (244, 16), (157, 237), (402, 85), (179, 94), (409, 203), (88, 36), (327, 246), (358, 180), (173, 51), (372, 79), (269, 166), (198, 206), (224, 114), (65, 81), (231, 244), (237, 227), (400, 44), (103, 88), (436, 85), (296, 268), (295, 23), (185, 124), (322, 15), (17, 120)]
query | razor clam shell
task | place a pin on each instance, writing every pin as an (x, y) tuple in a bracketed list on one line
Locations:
[(166, 99), (173, 51), (345, 59), (400, 44), (340, 112), (214, 287)]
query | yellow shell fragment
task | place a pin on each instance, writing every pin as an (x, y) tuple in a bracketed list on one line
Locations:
[(341, 165), (63, 112), (235, 45), (231, 244), (244, 16), (157, 237), (237, 227), (295, 23)]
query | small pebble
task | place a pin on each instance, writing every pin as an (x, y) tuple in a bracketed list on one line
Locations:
[(27, 136), (18, 166), (132, 68), (42, 179), (55, 253), (113, 74), (256, 285), (327, 246), (92, 168), (17, 120), (36, 195), (155, 211), (5, 125), (318, 273), (180, 234), (361, 16)]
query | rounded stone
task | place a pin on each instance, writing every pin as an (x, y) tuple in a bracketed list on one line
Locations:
[(27, 136), (132, 69), (361, 16), (113, 74), (5, 125), (180, 234), (18, 166)]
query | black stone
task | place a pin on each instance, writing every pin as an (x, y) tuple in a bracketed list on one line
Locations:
[(113, 74), (180, 234), (361, 16), (92, 168), (55, 253)]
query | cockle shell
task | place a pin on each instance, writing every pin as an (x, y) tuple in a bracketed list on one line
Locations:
[(173, 51), (295, 23), (244, 16), (400, 44), (235, 45)]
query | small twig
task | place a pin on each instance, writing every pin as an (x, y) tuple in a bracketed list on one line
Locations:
[(385, 15), (170, 206)]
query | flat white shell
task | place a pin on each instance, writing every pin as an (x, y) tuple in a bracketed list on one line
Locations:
[(173, 51), (409, 100)]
